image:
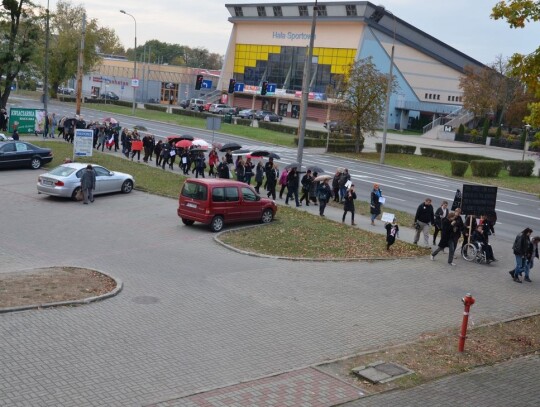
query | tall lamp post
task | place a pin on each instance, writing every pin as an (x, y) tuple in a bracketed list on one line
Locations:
[(388, 94), (134, 61), (46, 77)]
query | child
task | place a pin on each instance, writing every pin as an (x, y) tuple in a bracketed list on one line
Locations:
[(392, 232)]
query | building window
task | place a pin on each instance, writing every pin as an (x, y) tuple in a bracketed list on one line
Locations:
[(303, 11), (321, 11), (425, 96), (438, 97), (449, 98), (261, 11), (238, 12), (277, 11), (351, 10)]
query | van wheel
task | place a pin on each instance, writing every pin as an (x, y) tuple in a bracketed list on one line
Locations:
[(217, 224), (267, 216), (187, 222)]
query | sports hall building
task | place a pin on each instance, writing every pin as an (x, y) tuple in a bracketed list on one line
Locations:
[(269, 43)]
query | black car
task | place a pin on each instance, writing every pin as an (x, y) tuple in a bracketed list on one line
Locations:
[(22, 154), (184, 104), (337, 125), (109, 96), (267, 115)]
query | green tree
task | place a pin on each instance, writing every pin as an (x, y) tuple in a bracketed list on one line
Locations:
[(518, 13), (362, 99), (19, 36)]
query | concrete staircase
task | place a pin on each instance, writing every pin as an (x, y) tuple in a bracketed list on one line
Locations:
[(444, 128)]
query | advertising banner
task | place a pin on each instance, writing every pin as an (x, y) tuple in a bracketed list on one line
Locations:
[(83, 142), (27, 121)]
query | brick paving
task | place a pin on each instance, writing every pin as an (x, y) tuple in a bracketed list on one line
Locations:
[(216, 318), (303, 388)]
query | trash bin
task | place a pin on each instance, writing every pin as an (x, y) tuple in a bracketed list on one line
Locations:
[(227, 118)]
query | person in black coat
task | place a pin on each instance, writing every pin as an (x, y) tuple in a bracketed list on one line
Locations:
[(423, 219), (447, 238), (307, 180), (293, 181), (440, 214), (223, 169), (348, 204)]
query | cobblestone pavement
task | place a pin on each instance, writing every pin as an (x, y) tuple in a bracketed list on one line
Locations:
[(194, 316), (510, 384)]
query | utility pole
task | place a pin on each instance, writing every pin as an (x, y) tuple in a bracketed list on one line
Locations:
[(305, 90), (46, 78), (80, 65)]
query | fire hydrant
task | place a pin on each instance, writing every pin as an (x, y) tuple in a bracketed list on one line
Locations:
[(468, 300)]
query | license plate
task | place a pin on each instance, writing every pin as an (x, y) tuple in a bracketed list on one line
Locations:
[(47, 183), (191, 205)]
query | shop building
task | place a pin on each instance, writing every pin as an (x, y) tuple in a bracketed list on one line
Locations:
[(268, 44)]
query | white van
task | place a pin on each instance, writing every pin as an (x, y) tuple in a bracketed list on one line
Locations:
[(197, 104)]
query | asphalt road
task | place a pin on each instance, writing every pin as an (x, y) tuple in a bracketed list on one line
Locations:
[(404, 190)]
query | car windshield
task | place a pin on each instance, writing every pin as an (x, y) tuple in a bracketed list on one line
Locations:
[(194, 191), (62, 171)]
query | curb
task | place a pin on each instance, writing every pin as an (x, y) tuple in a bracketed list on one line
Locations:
[(118, 288)]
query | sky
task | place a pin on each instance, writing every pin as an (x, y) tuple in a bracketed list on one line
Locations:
[(462, 24)]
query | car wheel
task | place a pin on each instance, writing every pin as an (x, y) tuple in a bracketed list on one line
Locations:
[(187, 222), (217, 224), (127, 186), (267, 216), (74, 194), (35, 163)]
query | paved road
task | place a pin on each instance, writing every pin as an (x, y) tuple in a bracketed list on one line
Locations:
[(194, 316)]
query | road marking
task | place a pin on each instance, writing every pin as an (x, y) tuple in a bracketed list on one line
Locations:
[(506, 202), (518, 214)]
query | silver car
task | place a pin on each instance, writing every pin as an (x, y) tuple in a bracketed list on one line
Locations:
[(65, 181)]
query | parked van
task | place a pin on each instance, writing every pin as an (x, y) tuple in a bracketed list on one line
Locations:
[(197, 104), (216, 201)]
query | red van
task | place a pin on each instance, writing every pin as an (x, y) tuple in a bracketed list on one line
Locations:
[(215, 201)]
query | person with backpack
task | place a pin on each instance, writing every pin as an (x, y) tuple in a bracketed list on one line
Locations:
[(324, 193), (521, 249)]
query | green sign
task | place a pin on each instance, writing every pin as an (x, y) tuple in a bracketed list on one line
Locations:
[(27, 120)]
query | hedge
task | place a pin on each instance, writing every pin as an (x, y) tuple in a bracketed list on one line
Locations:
[(449, 155), (459, 168), (334, 145), (520, 168), (486, 168), (396, 148)]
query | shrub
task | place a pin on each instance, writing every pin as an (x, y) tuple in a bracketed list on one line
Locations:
[(498, 133), (486, 168), (459, 168), (461, 130), (485, 129), (520, 168), (156, 107), (396, 148), (474, 132), (449, 155)]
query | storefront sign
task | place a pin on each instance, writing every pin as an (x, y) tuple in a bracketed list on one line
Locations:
[(27, 120)]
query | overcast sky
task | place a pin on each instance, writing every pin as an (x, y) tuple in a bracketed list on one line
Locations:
[(462, 24)]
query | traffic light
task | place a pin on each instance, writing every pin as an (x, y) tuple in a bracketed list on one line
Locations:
[(264, 87), (232, 82), (198, 82)]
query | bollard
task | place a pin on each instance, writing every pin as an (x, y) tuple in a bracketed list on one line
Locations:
[(468, 300)]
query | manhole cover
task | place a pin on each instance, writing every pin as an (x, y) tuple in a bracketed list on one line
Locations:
[(145, 299), (381, 372)]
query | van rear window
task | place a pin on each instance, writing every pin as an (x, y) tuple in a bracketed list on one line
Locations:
[(195, 191)]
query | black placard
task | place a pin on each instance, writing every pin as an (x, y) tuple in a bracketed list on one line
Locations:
[(478, 200)]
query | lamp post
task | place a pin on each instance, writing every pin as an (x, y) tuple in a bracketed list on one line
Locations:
[(305, 89), (46, 76), (388, 94), (134, 61)]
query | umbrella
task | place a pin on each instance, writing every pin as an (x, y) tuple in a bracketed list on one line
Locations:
[(140, 127), (264, 153), (316, 169), (240, 152), (230, 146), (183, 143), (322, 177), (201, 143), (110, 120), (292, 165), (174, 139)]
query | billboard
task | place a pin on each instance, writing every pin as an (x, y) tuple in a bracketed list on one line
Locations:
[(27, 120)]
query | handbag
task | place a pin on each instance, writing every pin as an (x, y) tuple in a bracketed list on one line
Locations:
[(417, 225), (79, 195)]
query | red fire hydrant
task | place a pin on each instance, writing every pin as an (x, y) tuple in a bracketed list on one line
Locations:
[(468, 300)]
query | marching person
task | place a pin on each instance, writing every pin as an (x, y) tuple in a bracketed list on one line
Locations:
[(521, 249), (348, 204), (375, 204), (440, 214), (392, 232), (306, 182), (447, 238), (324, 193), (259, 176), (424, 218)]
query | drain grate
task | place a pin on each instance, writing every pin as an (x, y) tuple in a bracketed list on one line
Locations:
[(381, 372)]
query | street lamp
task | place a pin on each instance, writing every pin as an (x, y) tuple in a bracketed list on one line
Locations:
[(46, 78), (388, 94), (134, 60)]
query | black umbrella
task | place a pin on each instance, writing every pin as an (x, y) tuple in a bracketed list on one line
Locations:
[(265, 153), (140, 127), (316, 169), (242, 151), (175, 139), (230, 146)]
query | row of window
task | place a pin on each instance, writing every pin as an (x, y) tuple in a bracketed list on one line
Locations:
[(433, 96), (302, 10)]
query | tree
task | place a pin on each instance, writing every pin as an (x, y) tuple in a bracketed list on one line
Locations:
[(362, 99), (19, 36), (517, 14)]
